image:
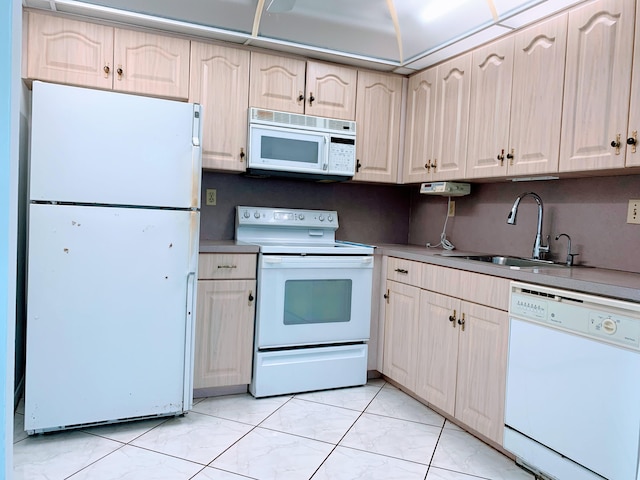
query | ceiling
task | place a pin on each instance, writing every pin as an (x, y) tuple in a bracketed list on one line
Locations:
[(392, 35)]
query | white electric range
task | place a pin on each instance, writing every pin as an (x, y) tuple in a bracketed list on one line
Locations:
[(313, 306)]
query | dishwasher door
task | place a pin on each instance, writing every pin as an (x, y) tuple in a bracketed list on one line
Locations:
[(576, 396)]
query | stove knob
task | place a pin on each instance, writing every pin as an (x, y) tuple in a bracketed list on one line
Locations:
[(256, 214), (321, 218), (301, 216), (246, 214), (330, 218)]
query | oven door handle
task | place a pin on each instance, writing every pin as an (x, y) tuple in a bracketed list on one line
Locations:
[(271, 259)]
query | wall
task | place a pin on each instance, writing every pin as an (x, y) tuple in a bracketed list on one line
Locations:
[(592, 211), (366, 213)]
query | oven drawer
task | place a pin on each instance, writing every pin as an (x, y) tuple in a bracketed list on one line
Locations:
[(216, 266), (404, 271)]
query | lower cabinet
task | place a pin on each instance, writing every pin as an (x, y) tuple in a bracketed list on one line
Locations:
[(224, 320), (450, 352)]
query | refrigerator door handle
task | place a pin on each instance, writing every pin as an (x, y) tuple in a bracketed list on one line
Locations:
[(190, 339)]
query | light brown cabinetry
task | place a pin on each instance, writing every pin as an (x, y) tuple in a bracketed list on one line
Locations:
[(292, 85), (224, 320), (378, 106), (597, 86), (437, 121), (86, 54), (446, 340), (219, 82), (632, 150)]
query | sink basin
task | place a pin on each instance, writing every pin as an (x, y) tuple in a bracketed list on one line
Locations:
[(508, 261)]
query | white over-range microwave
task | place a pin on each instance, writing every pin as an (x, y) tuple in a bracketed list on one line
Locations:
[(302, 146)]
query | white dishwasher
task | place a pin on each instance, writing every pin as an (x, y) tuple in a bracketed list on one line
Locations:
[(572, 407)]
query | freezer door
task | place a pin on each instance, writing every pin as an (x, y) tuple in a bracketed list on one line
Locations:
[(109, 317), (92, 146)]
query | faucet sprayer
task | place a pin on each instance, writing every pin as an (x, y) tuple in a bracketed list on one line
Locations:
[(538, 247)]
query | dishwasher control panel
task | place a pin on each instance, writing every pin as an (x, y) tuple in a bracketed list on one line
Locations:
[(610, 320)]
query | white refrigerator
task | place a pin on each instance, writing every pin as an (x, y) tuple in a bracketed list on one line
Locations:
[(113, 227)]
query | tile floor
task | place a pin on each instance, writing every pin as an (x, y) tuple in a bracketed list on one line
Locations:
[(374, 432)]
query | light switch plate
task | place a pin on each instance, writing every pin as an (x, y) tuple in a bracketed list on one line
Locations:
[(211, 196)]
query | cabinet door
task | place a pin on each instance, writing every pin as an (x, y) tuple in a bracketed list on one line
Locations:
[(68, 51), (333, 90), (420, 116), (489, 109), (482, 366), (451, 119), (277, 83), (401, 316), (220, 84), (633, 150), (597, 85), (378, 102), (437, 347), (224, 333), (536, 101), (151, 64)]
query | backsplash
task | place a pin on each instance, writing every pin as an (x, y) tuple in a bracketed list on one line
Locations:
[(593, 211), (366, 213)]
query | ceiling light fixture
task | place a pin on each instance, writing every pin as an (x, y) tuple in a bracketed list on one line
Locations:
[(437, 9), (280, 6)]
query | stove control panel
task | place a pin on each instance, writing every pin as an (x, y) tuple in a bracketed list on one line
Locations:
[(286, 217)]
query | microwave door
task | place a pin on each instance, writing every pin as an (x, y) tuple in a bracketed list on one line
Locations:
[(287, 150)]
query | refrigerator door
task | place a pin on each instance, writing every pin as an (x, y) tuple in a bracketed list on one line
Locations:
[(93, 146), (110, 314)]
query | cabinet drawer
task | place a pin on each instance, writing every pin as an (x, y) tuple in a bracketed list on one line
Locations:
[(216, 266), (404, 271)]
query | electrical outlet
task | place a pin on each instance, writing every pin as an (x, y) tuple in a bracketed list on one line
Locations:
[(452, 209), (633, 213), (211, 197)]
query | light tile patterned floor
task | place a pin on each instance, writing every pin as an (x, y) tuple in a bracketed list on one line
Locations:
[(374, 432)]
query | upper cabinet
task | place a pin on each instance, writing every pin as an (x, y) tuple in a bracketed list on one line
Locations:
[(633, 153), (296, 86), (436, 122), (597, 86), (219, 82), (489, 113), (86, 54), (378, 106), (536, 98)]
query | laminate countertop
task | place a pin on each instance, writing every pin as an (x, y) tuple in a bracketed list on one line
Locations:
[(597, 281)]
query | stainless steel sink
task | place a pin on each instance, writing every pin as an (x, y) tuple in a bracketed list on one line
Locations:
[(506, 260)]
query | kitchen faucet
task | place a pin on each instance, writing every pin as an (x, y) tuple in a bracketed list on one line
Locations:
[(538, 247)]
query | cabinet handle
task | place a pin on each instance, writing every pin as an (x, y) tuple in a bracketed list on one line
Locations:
[(633, 141), (250, 297), (107, 70), (435, 165), (402, 270), (452, 319), (461, 322), (300, 97), (311, 99), (428, 165), (501, 157), (386, 296), (616, 144), (511, 156), (119, 71), (358, 165), (227, 266), (242, 155)]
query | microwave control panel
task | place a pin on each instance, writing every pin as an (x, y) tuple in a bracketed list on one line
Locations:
[(342, 154)]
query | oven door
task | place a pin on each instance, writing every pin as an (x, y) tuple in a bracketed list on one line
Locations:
[(313, 300)]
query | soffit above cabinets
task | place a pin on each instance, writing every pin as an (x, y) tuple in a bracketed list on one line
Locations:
[(391, 35)]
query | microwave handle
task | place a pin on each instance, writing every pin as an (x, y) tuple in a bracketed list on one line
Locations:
[(327, 147)]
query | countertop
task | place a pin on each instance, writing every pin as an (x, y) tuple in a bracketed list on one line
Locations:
[(597, 281)]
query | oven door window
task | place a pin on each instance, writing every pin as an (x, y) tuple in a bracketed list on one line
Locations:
[(317, 301)]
